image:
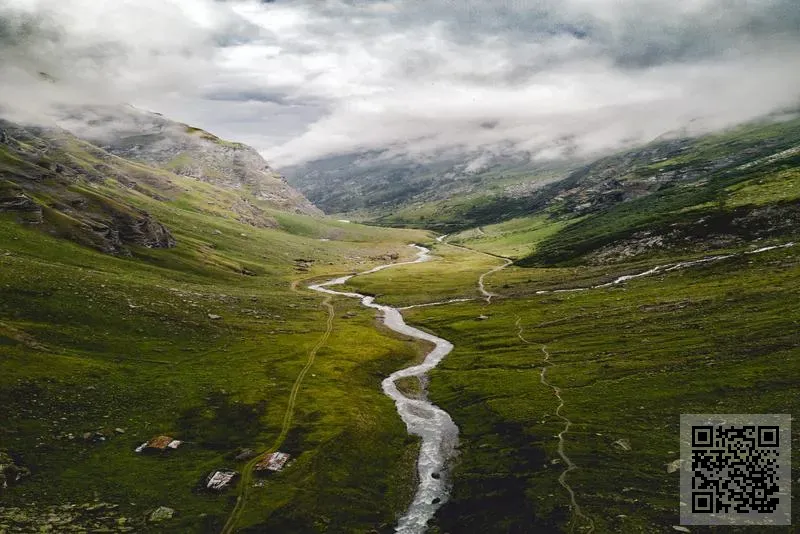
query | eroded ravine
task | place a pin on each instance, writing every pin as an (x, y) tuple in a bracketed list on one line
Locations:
[(434, 426)]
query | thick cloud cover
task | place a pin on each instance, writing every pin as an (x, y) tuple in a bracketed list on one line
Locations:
[(305, 79)]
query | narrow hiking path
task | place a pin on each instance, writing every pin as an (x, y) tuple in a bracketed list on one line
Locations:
[(487, 295), (482, 288), (247, 472), (578, 517)]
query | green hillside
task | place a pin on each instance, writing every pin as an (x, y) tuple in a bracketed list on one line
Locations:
[(201, 340)]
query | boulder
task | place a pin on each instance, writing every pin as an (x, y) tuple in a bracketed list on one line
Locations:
[(246, 454), (162, 513), (623, 444), (674, 465)]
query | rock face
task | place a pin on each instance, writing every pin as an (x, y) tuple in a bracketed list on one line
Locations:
[(47, 181), (156, 141), (18, 202), (144, 231)]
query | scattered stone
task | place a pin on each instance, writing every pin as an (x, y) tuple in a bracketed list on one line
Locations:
[(162, 513), (10, 472), (246, 454), (482, 317), (674, 465), (119, 430), (623, 444), (214, 316), (680, 528), (66, 518)]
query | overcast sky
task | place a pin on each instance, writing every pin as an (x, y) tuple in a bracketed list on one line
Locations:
[(304, 79)]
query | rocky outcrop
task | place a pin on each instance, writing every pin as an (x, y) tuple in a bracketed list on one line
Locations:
[(156, 141), (710, 232), (45, 180), (26, 207), (144, 231), (114, 235)]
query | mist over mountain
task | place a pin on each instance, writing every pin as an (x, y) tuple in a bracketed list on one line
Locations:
[(416, 266), (378, 182), (302, 80)]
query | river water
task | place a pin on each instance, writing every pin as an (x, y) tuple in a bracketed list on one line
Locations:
[(435, 427)]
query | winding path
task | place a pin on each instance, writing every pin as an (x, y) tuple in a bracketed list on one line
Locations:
[(488, 294), (288, 416), (669, 267), (578, 516)]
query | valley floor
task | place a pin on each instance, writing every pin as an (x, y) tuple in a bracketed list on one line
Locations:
[(96, 347), (619, 364)]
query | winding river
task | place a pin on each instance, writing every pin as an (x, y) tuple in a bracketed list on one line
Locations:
[(435, 427)]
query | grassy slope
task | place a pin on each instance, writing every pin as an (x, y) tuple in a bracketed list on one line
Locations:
[(515, 238), (629, 360), (451, 274), (90, 341), (720, 338), (721, 203)]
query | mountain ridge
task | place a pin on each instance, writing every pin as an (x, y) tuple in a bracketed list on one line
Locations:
[(71, 187)]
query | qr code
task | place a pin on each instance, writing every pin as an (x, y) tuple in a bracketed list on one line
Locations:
[(735, 469)]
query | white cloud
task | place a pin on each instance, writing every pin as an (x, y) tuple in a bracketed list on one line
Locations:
[(301, 79)]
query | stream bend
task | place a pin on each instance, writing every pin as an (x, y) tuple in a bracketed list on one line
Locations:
[(435, 427)]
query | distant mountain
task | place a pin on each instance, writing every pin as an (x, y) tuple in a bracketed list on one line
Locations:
[(69, 186), (378, 183), (152, 139), (705, 193)]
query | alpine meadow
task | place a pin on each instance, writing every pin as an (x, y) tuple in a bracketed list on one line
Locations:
[(389, 267)]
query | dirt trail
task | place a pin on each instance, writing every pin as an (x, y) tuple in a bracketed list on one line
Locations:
[(482, 288), (247, 472), (579, 520), (487, 295)]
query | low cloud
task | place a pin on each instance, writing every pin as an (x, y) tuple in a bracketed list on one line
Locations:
[(301, 80)]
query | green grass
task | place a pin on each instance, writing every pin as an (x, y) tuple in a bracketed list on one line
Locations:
[(780, 186), (515, 238), (96, 342), (691, 214), (720, 338), (451, 274)]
